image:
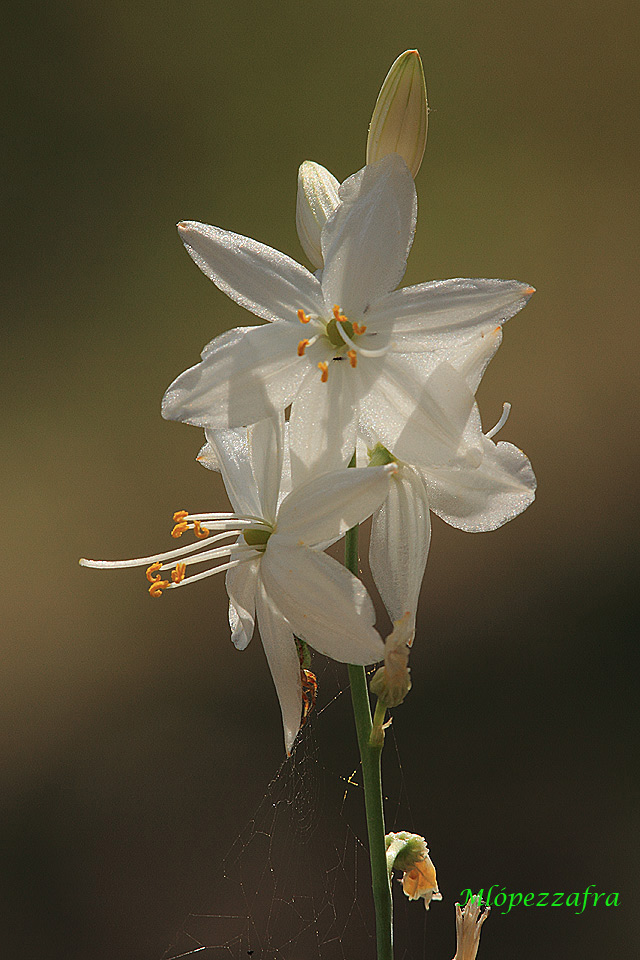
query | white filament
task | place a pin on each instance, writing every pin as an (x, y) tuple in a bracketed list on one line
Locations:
[(506, 410)]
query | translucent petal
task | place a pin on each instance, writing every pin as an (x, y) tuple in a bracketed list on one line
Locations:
[(266, 443), (430, 316), (241, 587), (228, 452), (399, 546), (282, 657), (317, 199), (259, 278), (484, 498), (245, 375), (322, 427), (330, 504), (366, 242), (326, 605)]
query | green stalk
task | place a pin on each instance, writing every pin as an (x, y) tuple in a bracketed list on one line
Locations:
[(372, 776)]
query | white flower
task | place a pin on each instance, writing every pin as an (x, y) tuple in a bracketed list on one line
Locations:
[(482, 491), (391, 343), (274, 574)]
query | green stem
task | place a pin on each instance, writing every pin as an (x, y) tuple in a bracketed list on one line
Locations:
[(370, 756)]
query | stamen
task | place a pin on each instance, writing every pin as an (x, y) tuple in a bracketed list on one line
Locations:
[(359, 329), (178, 574), (302, 346), (167, 555), (156, 588), (153, 569), (506, 410), (302, 317), (353, 358), (180, 515), (324, 366), (210, 573), (364, 351), (340, 318), (200, 531), (179, 529)]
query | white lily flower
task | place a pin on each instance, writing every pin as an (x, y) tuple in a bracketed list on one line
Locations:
[(480, 492), (274, 574), (391, 380)]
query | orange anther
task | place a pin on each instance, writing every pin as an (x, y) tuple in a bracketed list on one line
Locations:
[(337, 314), (180, 515), (324, 366), (302, 317), (200, 532), (157, 587), (302, 346), (178, 574), (179, 529), (353, 357), (359, 329), (151, 570)]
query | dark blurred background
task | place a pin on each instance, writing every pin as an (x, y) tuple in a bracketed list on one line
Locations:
[(136, 742)]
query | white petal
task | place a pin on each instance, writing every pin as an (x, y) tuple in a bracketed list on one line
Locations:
[(322, 428), (259, 278), (245, 375), (399, 546), (367, 240), (266, 443), (282, 657), (418, 421), (228, 452), (317, 199), (241, 587), (432, 316), (326, 605), (481, 499), (328, 505)]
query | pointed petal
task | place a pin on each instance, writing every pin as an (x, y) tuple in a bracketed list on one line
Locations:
[(259, 278), (245, 375), (322, 428), (419, 421), (316, 201), (366, 242), (326, 605), (433, 316), (481, 499), (231, 454), (327, 506), (266, 443), (282, 657), (399, 546), (241, 587)]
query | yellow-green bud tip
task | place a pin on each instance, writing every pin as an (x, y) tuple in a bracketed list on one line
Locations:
[(399, 120)]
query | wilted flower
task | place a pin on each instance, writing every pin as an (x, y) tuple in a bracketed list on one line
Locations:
[(392, 682), (468, 925), (409, 852)]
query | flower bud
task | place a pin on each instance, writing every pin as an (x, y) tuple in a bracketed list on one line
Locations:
[(409, 852), (317, 199), (399, 120), (392, 682)]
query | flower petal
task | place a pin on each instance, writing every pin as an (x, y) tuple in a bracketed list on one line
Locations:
[(366, 242), (266, 448), (484, 498), (245, 375), (326, 605), (399, 546), (241, 584), (419, 421), (433, 316), (228, 452), (317, 199), (323, 509), (322, 428), (259, 278), (282, 657)]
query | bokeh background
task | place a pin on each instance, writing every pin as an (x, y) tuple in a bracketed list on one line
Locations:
[(136, 742)]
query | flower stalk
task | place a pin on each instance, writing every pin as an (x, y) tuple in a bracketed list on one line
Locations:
[(370, 757)]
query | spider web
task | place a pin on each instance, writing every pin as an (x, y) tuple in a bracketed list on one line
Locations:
[(295, 884)]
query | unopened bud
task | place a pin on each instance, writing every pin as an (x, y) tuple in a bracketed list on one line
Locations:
[(392, 682), (399, 120), (317, 199)]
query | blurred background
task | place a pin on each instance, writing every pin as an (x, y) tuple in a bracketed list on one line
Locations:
[(135, 741)]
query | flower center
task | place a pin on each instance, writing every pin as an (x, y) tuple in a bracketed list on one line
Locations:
[(257, 538), (339, 332)]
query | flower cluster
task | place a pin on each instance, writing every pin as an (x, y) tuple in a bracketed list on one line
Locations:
[(347, 368)]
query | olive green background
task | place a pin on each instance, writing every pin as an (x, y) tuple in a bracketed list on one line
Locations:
[(136, 742)]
